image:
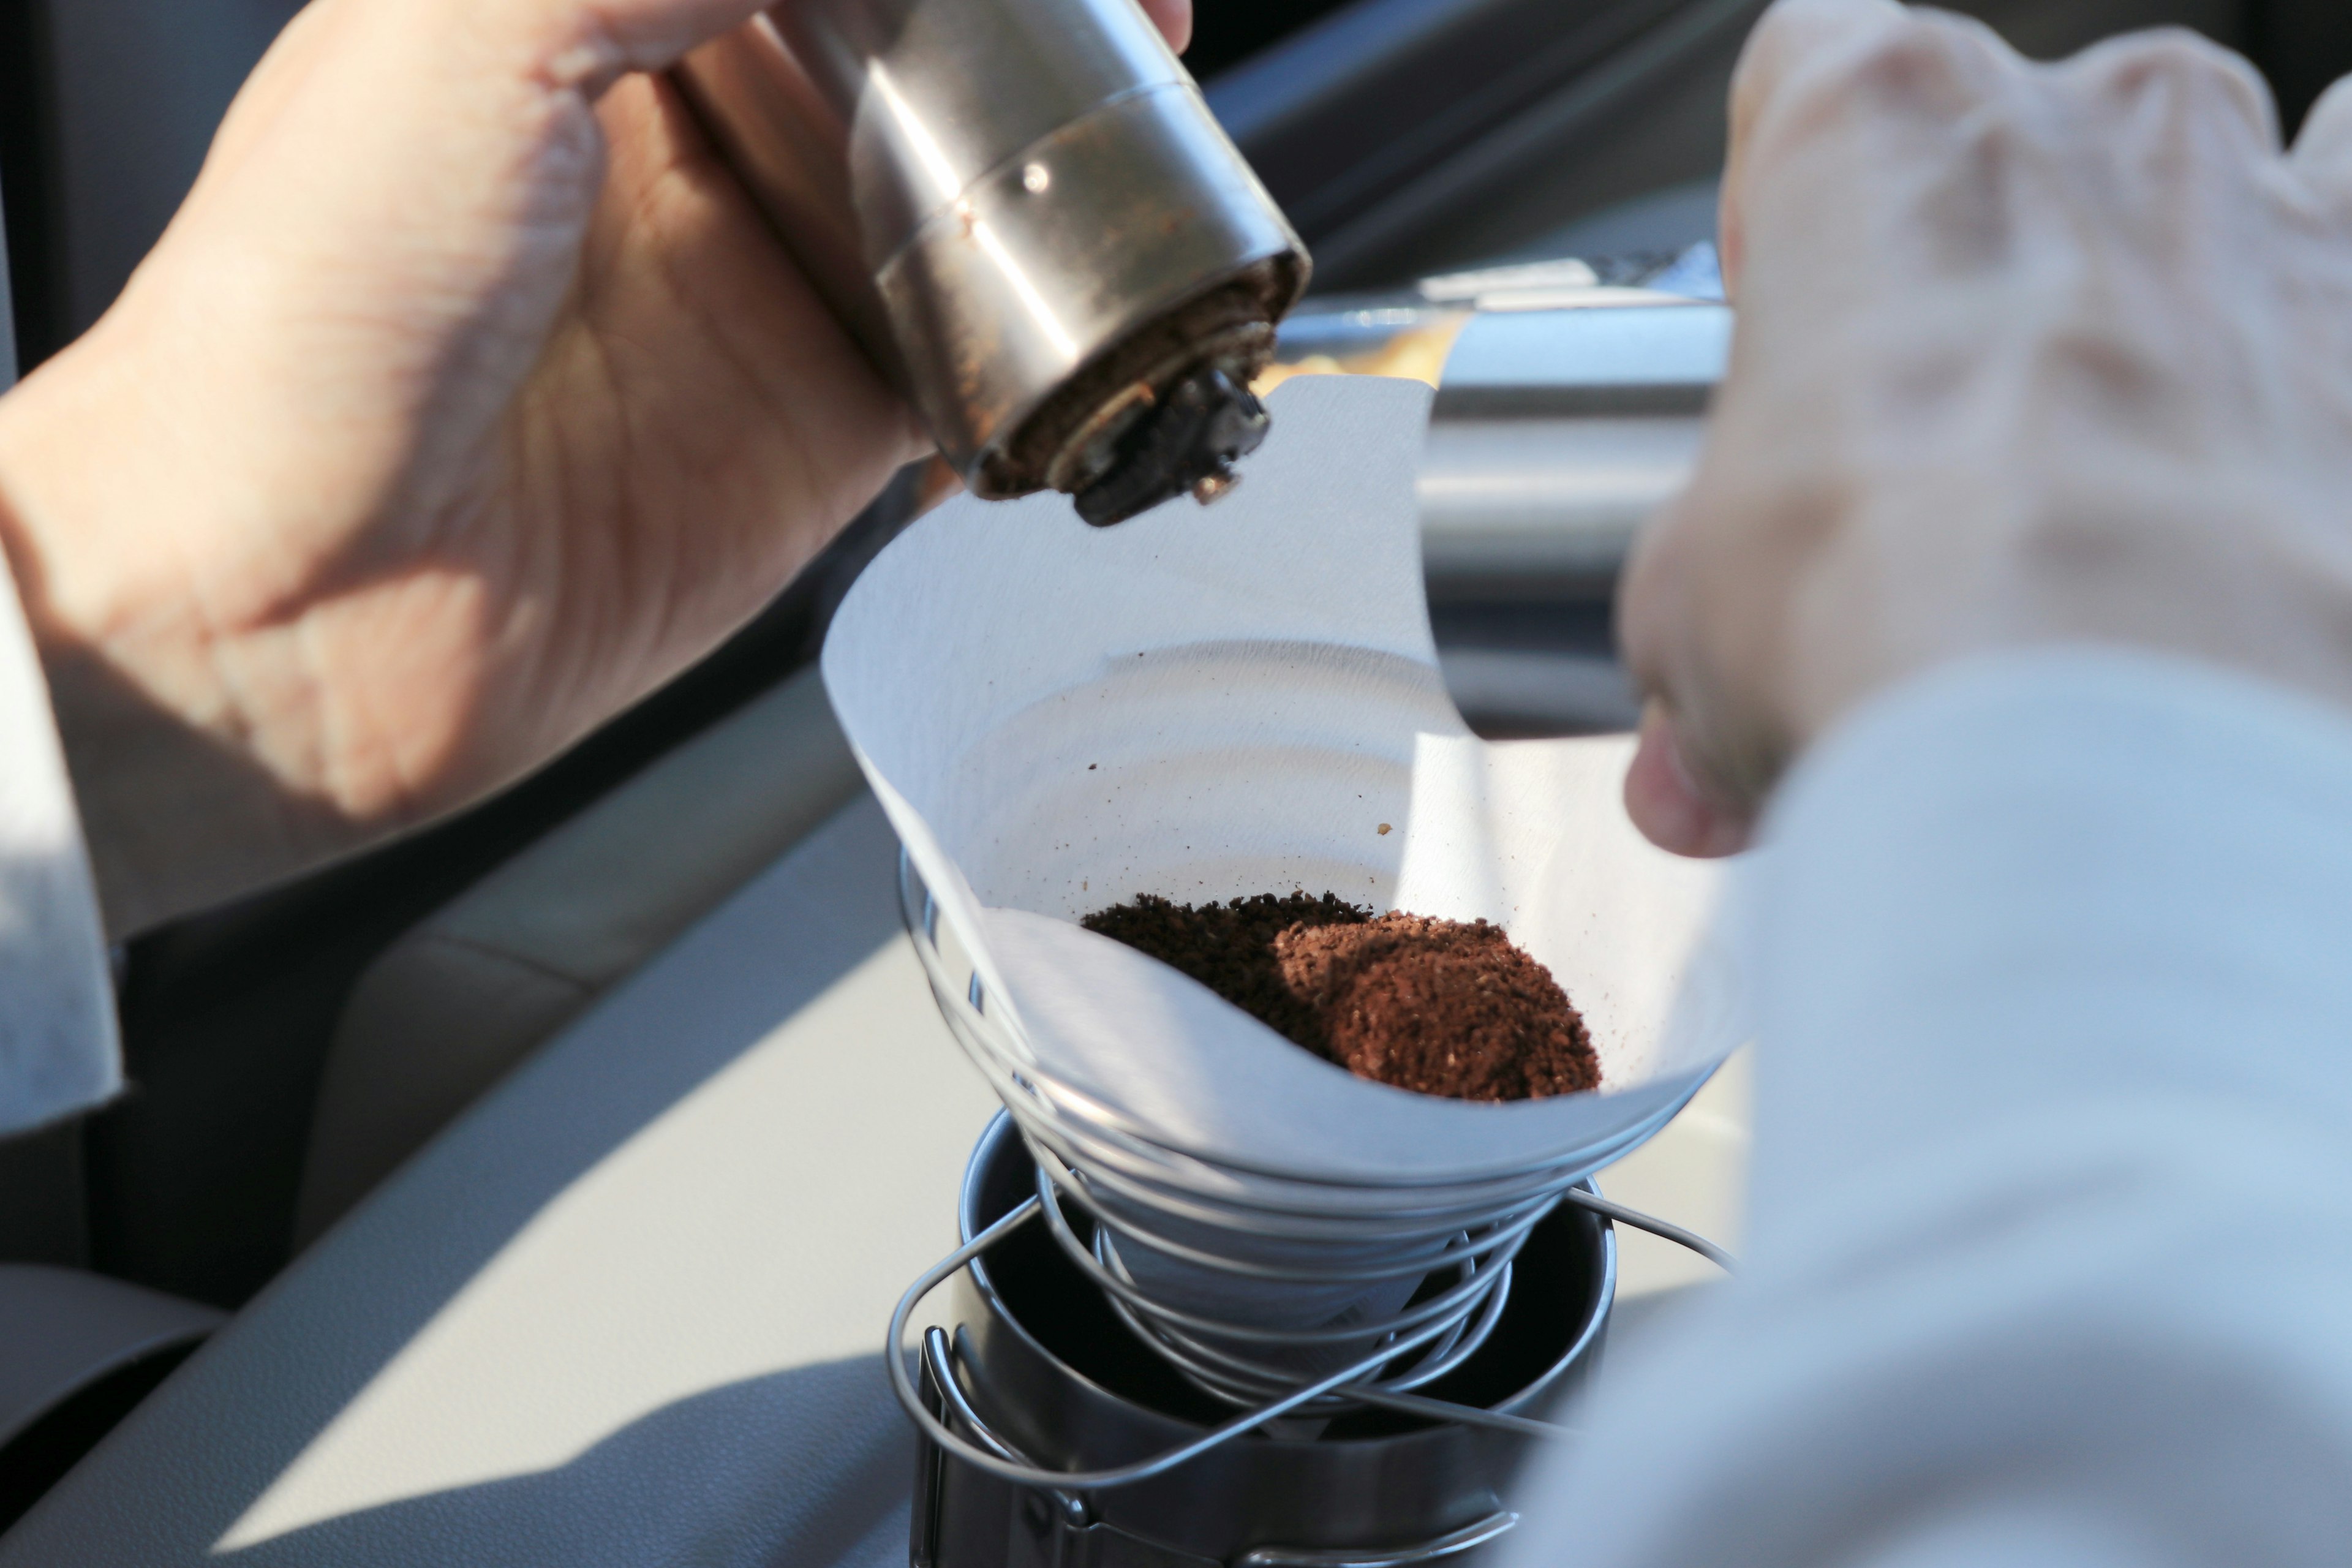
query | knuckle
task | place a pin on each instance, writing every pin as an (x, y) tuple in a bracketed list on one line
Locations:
[(2163, 53), (1922, 68), (2180, 75), (1913, 95), (1908, 66)]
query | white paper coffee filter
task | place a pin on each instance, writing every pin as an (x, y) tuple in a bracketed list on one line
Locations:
[(1206, 704)]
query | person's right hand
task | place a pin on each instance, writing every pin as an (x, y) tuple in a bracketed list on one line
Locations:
[(2026, 354), (467, 400)]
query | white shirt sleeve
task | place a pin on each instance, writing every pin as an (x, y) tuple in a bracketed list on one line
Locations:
[(2051, 1246), (58, 1045)]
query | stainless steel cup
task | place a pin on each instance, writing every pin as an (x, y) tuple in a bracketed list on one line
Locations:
[(1042, 1370), (1026, 214)]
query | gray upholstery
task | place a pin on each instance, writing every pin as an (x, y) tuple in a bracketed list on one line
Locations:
[(463, 997), (62, 1330), (627, 1309)]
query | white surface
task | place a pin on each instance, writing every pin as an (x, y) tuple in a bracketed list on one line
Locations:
[(2051, 1221), (1694, 1173), (57, 1049), (1205, 703)]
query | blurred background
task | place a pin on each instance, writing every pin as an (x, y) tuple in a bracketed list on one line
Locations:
[(1406, 137), (1402, 136)]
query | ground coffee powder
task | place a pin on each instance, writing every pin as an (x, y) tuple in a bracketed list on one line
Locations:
[(1229, 948), (1439, 1007), (1427, 1004)]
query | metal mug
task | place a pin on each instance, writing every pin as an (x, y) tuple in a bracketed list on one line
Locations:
[(1037, 1370)]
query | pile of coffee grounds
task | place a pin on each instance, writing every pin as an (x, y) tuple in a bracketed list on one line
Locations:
[(1436, 1006), (1439, 1007), (1229, 948)]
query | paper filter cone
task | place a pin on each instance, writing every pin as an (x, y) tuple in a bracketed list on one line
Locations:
[(1207, 703)]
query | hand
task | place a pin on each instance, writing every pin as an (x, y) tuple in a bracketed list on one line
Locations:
[(465, 401), (2026, 354)]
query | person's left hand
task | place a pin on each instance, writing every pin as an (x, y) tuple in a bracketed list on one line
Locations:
[(467, 400)]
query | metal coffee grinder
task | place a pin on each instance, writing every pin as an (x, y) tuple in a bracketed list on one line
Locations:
[(1027, 214), (1070, 1419)]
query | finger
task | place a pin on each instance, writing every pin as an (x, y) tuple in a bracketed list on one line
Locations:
[(1793, 33), (1668, 808), (1661, 644), (2168, 81), (583, 46), (591, 44), (1793, 36), (1856, 100), (1174, 20), (2323, 153)]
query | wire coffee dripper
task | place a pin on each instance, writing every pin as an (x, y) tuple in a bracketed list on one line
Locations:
[(1086, 1152), (1225, 703)]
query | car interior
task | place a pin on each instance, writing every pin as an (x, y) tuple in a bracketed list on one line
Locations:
[(488, 1196)]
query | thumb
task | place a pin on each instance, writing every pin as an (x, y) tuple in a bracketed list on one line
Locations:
[(1669, 806)]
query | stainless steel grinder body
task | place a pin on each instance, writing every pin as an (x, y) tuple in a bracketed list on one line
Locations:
[(1026, 214), (1041, 1371)]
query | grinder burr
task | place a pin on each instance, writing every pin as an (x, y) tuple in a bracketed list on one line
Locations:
[(1025, 213)]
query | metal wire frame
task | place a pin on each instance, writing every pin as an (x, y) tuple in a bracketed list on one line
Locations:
[(998, 1458), (1469, 1310), (1135, 1190)]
